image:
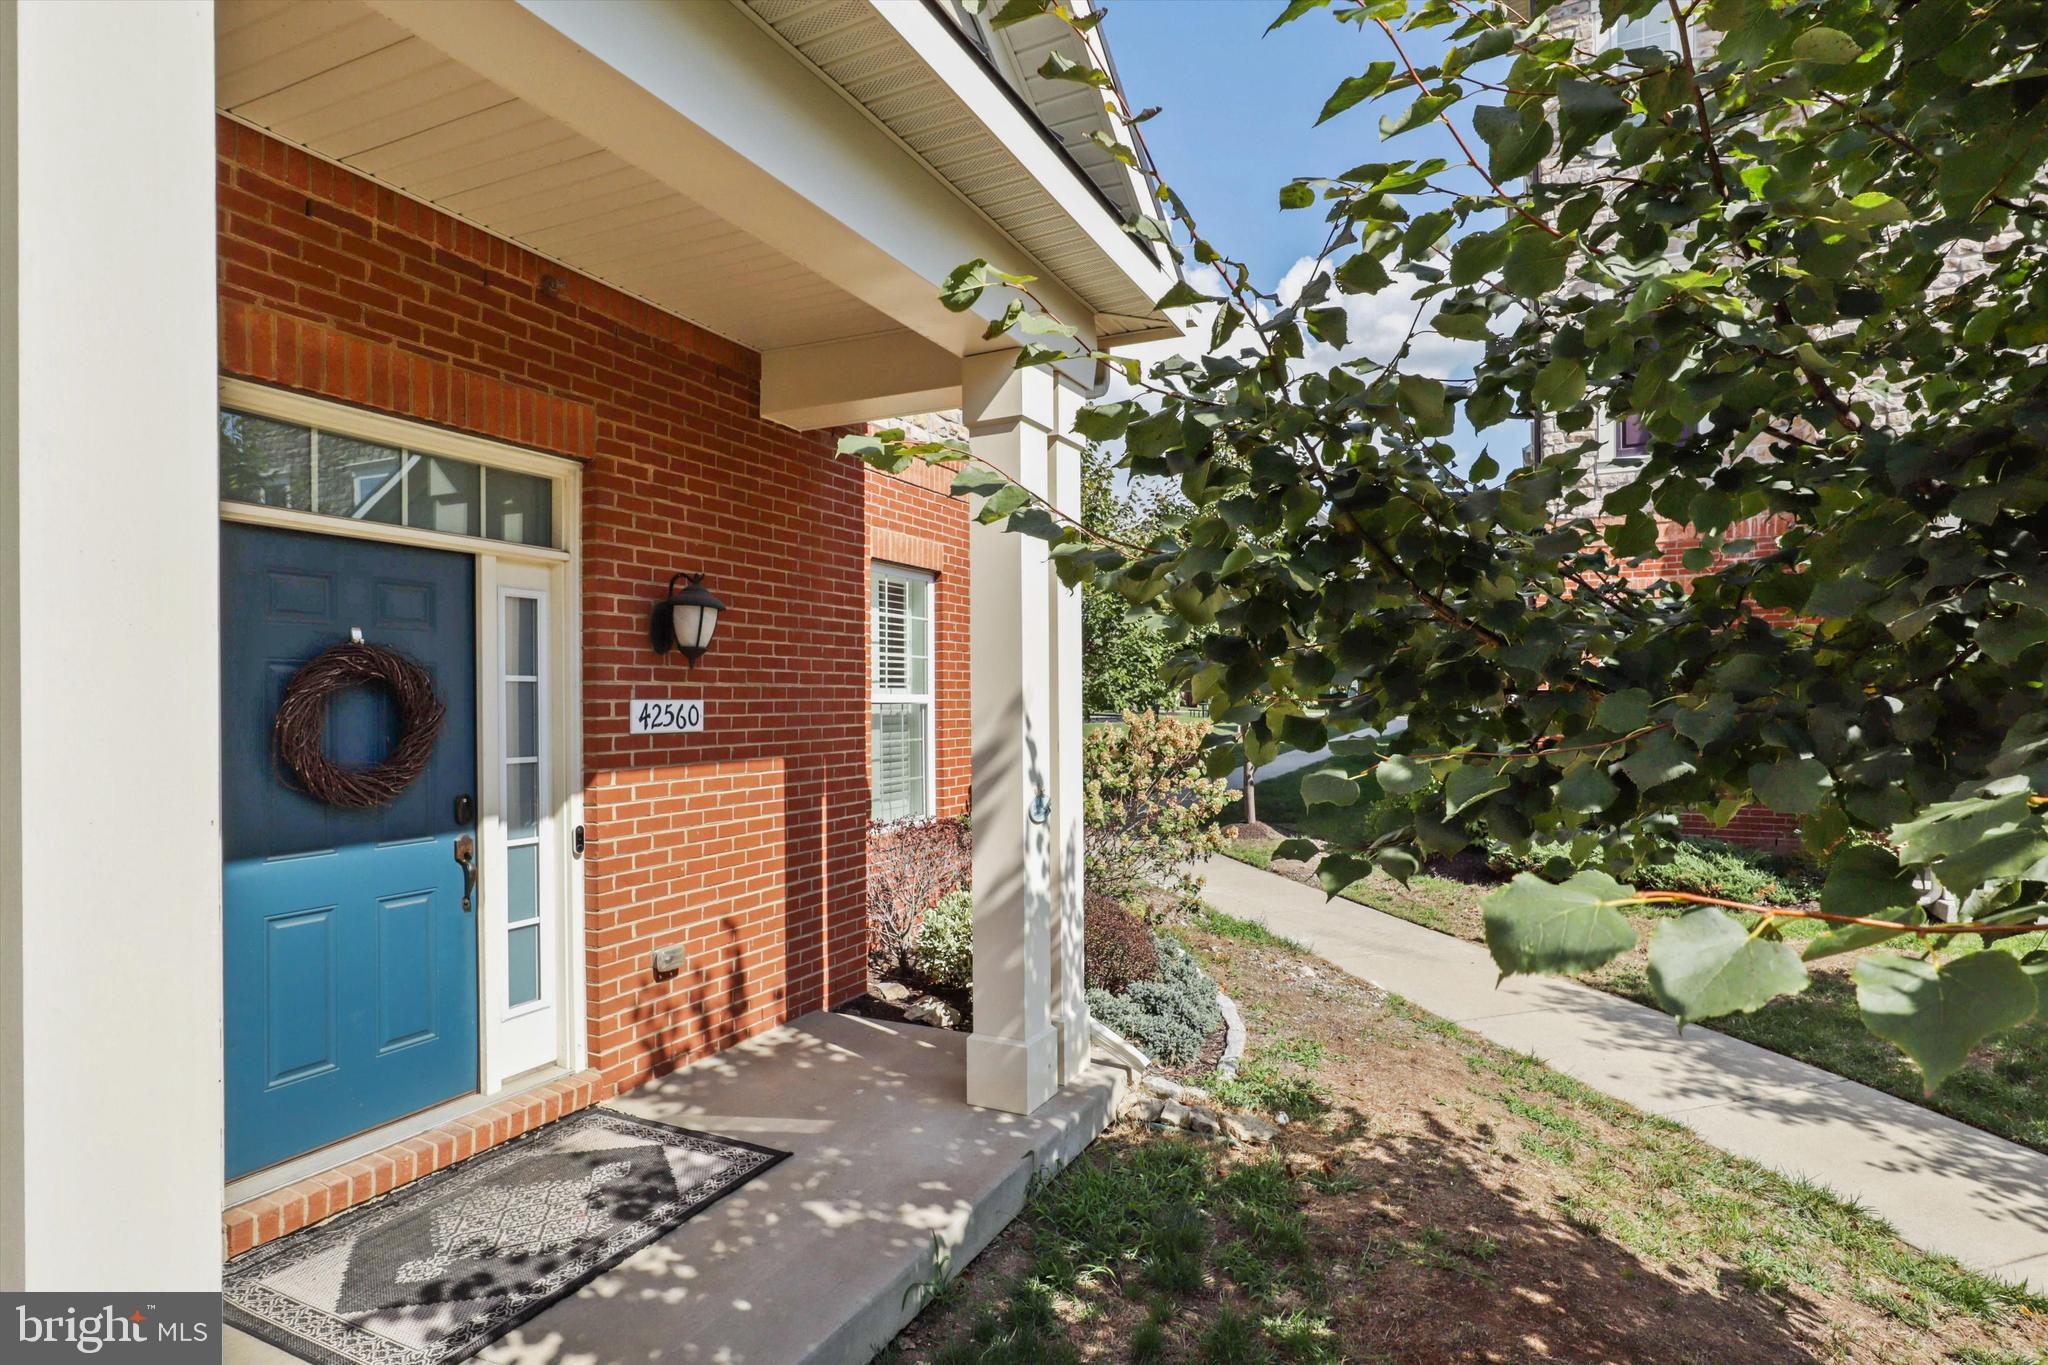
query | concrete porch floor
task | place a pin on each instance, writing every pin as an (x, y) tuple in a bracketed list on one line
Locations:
[(813, 1261)]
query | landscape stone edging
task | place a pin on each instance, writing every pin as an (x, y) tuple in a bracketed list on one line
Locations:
[(1233, 1037)]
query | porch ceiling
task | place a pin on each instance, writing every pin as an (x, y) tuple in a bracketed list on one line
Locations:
[(485, 135), (354, 86)]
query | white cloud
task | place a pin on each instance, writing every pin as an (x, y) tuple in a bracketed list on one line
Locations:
[(1378, 323)]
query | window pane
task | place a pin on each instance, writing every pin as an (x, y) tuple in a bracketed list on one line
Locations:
[(522, 883), (442, 495), (519, 507), (522, 720), (900, 760), (920, 638), (360, 480), (522, 800), (522, 636), (265, 462), (522, 965), (892, 634)]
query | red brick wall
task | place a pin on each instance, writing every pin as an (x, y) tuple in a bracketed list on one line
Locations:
[(1754, 826), (913, 520), (744, 843)]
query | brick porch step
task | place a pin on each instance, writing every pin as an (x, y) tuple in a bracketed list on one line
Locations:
[(302, 1203)]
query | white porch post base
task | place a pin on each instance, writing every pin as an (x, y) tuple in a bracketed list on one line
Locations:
[(1012, 1074)]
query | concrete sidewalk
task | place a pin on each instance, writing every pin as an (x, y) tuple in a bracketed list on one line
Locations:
[(1944, 1185)]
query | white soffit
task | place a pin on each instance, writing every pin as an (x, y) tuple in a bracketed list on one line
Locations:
[(357, 88)]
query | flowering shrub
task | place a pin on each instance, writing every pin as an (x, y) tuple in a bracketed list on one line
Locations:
[(1118, 946), (943, 952), (911, 864), (1149, 806)]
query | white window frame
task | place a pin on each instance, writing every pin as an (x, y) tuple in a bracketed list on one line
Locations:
[(1615, 37), (514, 1050), (881, 569)]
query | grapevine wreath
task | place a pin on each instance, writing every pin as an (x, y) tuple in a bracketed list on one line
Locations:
[(300, 732)]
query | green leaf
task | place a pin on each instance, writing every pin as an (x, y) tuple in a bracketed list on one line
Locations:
[(1106, 421), (1335, 871), (1423, 399), (1659, 759), (1535, 926), (1795, 786), (1464, 324), (1296, 196), (1826, 46), (1517, 140), (1704, 964), (1587, 112), (1362, 273), (1865, 880), (1537, 262), (1001, 503), (1587, 790), (1182, 295), (963, 287), (1331, 326), (1975, 840), (1295, 850), (1470, 783), (1352, 89), (1295, 9), (977, 479), (1937, 1014), (1326, 788), (1423, 110), (1560, 384), (1400, 775), (1057, 67), (1623, 711), (1710, 722), (1477, 255)]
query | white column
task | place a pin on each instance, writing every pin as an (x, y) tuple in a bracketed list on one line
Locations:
[(1069, 1001), (110, 967), (1013, 1055)]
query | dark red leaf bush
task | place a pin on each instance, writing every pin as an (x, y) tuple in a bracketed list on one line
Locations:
[(1119, 947), (911, 864)]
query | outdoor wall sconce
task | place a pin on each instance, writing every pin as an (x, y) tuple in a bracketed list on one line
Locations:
[(683, 621)]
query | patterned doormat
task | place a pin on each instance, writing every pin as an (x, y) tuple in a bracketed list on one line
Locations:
[(440, 1268)]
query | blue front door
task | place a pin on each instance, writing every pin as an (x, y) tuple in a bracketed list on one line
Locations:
[(351, 963)]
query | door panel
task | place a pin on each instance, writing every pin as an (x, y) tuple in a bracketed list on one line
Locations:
[(351, 967)]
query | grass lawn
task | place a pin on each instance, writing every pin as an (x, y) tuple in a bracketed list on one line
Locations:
[(2003, 1090), (1437, 1198)]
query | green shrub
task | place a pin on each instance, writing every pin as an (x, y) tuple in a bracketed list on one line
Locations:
[(943, 952), (1170, 1017), (1705, 867), (1150, 808), (1118, 946)]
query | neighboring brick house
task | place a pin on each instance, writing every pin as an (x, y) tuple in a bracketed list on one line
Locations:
[(1623, 445), (478, 330)]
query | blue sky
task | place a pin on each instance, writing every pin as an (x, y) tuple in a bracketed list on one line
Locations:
[(1238, 121)]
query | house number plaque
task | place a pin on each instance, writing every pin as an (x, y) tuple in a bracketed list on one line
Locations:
[(662, 716)]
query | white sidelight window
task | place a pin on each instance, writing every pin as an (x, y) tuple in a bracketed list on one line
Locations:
[(900, 628)]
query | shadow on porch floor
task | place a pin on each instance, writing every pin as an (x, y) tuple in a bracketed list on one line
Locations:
[(814, 1260)]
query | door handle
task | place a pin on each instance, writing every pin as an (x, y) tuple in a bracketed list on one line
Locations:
[(465, 854)]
